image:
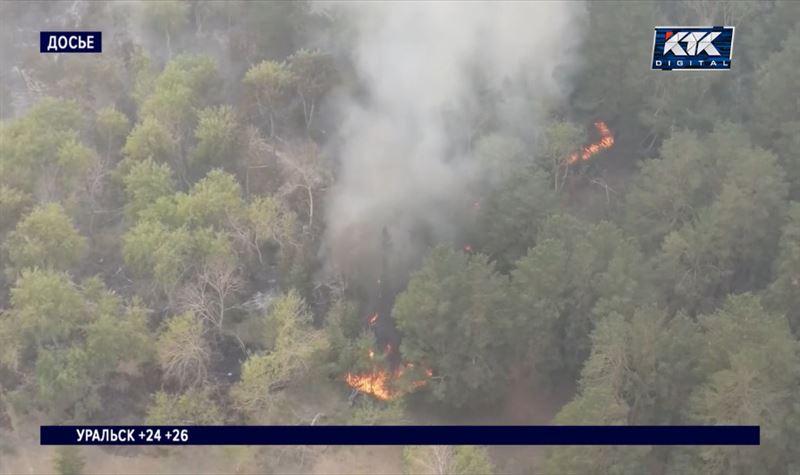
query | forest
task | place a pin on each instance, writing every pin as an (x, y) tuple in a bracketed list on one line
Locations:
[(312, 213)]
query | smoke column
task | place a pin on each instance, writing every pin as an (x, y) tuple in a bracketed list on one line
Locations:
[(415, 61)]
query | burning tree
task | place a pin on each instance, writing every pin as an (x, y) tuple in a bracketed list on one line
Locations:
[(386, 383), (606, 141)]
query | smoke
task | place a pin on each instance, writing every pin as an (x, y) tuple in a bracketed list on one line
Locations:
[(419, 63)]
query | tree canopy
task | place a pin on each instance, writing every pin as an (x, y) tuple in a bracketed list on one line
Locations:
[(351, 214)]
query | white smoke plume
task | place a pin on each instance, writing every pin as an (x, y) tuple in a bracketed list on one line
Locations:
[(417, 60)]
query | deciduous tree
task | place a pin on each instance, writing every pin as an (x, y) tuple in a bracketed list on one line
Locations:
[(146, 182), (291, 344), (271, 83), (68, 460), (183, 350), (220, 141), (195, 406), (48, 165), (315, 74), (46, 238), (167, 17), (447, 459)]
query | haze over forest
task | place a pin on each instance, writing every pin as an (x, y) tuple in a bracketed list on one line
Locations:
[(373, 213)]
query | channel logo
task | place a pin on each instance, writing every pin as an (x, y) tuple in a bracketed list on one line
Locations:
[(692, 48)]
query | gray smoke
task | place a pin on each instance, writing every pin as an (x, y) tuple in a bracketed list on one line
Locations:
[(418, 62)]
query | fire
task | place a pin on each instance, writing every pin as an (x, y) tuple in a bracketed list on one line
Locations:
[(375, 383), (373, 319), (468, 248), (606, 141), (378, 382)]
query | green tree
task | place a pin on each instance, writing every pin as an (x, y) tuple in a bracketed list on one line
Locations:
[(576, 274), (670, 190), (728, 246), (515, 200), (268, 29), (111, 129), (784, 292), (68, 340), (220, 141), (641, 371), (46, 238), (151, 249), (167, 17), (272, 223), (369, 412), (768, 27), (613, 382), (183, 350), (561, 139), (14, 203), (150, 139), (315, 75), (595, 406), (51, 164), (187, 84), (270, 83), (348, 341), (61, 377), (754, 366), (46, 308), (776, 120), (169, 105), (213, 201), (68, 460), (177, 235), (446, 459), (455, 320), (674, 100), (611, 86), (291, 345), (196, 406), (142, 73), (146, 182)]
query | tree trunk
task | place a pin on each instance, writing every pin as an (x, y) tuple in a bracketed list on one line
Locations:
[(310, 206), (271, 126)]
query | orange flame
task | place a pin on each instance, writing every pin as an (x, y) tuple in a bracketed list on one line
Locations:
[(375, 383), (373, 319), (378, 382), (606, 141), (468, 248)]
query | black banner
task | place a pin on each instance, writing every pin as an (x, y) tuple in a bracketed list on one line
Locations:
[(400, 435)]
